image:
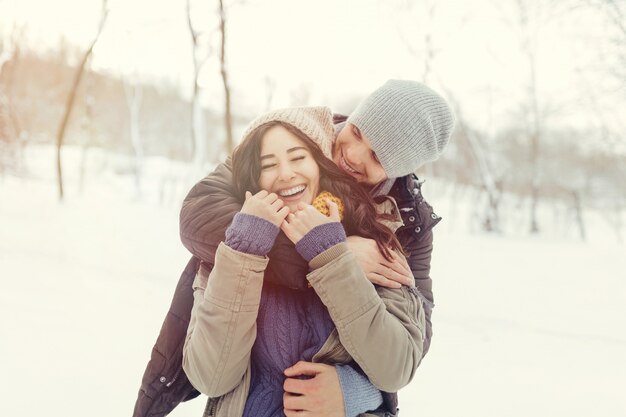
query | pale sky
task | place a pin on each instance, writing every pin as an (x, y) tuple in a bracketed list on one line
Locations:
[(341, 50)]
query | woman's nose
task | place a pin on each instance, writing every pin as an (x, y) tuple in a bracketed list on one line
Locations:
[(286, 173)]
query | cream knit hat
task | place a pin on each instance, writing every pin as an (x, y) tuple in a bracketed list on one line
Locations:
[(314, 122), (407, 124)]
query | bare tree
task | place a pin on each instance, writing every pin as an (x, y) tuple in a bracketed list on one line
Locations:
[(72, 95), (301, 96), (426, 52), (614, 12), (578, 214), (5, 135), (8, 63), (228, 122), (270, 90), (12, 137), (532, 18), (134, 95), (534, 122), (490, 182), (201, 52), (88, 130), (6, 55)]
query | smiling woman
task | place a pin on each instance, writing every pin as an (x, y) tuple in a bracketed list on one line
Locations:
[(288, 168)]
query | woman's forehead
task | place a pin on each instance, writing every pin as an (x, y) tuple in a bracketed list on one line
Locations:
[(279, 140)]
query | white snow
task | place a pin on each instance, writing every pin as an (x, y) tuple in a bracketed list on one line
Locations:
[(523, 326)]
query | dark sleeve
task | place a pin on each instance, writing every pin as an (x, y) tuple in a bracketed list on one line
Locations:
[(286, 267), (207, 212), (164, 385)]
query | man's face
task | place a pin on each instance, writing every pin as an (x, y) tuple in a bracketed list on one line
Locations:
[(353, 153)]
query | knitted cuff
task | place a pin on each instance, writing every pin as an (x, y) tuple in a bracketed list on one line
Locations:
[(251, 234), (359, 395), (320, 238)]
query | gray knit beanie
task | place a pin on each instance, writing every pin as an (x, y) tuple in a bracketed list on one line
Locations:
[(315, 122), (407, 124)]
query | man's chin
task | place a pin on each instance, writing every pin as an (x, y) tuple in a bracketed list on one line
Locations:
[(352, 174)]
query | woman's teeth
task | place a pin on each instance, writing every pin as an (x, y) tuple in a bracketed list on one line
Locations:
[(292, 191), (347, 167)]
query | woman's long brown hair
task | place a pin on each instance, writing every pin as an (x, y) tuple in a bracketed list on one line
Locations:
[(360, 216)]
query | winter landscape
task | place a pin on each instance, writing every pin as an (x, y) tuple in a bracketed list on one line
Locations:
[(111, 110)]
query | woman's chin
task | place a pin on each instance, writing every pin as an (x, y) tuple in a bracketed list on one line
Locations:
[(293, 207), (293, 204)]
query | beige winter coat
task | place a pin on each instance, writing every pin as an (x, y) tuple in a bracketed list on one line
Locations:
[(381, 329)]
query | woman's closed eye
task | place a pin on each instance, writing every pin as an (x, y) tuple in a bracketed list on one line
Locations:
[(273, 164)]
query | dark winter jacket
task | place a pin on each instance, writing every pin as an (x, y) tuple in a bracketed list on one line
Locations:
[(207, 211)]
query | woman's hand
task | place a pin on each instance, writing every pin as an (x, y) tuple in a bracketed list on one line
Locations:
[(266, 206), (298, 224), (379, 270)]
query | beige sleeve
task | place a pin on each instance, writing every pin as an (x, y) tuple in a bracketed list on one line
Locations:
[(381, 328), (222, 328)]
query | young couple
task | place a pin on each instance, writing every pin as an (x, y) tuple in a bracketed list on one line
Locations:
[(285, 319)]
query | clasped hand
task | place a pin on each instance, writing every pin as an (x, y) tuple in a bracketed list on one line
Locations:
[(295, 225)]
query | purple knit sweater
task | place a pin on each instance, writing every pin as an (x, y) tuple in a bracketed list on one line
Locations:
[(291, 326)]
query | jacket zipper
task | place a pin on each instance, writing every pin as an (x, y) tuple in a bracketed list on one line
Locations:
[(210, 407), (328, 355), (334, 350)]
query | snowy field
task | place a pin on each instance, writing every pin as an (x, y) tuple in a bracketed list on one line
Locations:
[(524, 326)]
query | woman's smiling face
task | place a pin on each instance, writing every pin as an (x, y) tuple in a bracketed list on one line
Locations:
[(288, 168)]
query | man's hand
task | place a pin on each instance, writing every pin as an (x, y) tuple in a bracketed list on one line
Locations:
[(319, 396), (379, 270)]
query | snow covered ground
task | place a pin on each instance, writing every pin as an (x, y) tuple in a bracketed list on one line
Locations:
[(523, 326)]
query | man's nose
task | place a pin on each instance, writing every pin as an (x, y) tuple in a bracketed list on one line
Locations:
[(354, 155)]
